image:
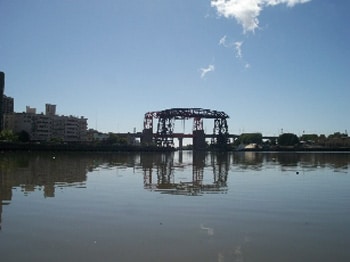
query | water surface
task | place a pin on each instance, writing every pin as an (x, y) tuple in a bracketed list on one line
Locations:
[(180, 206)]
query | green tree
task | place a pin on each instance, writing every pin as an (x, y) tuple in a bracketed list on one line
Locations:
[(7, 135), (288, 139), (337, 135), (23, 136), (309, 137), (249, 138), (114, 139)]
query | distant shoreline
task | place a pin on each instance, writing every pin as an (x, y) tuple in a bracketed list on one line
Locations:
[(138, 148), (79, 148), (298, 149)]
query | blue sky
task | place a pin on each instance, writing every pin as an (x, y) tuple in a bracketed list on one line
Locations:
[(269, 64)]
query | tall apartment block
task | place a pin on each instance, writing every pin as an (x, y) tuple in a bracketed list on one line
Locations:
[(50, 110), (7, 105), (2, 87)]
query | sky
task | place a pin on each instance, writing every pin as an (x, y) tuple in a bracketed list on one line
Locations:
[(272, 65)]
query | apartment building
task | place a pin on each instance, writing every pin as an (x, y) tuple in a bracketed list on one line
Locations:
[(7, 105), (2, 87), (48, 126)]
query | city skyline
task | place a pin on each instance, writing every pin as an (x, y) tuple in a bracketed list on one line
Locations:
[(270, 65)]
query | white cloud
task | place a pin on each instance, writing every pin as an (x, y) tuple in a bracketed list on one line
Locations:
[(246, 12), (236, 46), (238, 49), (289, 3), (225, 42), (205, 71), (222, 41)]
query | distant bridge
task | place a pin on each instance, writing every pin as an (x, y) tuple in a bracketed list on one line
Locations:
[(164, 136)]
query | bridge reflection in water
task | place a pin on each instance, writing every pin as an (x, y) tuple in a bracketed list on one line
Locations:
[(93, 206), (178, 173), (163, 175)]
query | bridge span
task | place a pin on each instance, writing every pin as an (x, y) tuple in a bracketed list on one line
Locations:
[(181, 136), (164, 135)]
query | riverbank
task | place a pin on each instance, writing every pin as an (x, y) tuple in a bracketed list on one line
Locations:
[(295, 149), (79, 147), (72, 147)]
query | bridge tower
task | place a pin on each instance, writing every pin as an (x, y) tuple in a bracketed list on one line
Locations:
[(198, 134), (165, 130), (147, 133), (220, 132)]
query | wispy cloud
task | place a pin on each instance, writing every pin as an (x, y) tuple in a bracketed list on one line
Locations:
[(205, 71), (236, 46), (246, 12), (238, 49), (223, 41), (239, 54)]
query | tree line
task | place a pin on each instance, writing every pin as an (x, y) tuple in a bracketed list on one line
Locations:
[(292, 140)]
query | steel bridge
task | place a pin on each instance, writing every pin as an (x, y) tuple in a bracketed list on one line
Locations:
[(164, 136)]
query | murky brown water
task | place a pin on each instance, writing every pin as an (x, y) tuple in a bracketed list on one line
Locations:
[(175, 207)]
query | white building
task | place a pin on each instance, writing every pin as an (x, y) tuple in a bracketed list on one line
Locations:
[(48, 126)]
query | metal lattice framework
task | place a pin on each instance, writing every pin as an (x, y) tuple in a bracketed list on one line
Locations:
[(166, 120)]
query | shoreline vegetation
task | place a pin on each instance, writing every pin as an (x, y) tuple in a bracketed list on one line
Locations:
[(112, 142)]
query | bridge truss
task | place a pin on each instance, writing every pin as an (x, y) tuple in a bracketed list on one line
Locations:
[(166, 121)]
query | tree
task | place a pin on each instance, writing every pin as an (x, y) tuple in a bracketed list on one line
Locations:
[(288, 139), (7, 135), (309, 137), (250, 138), (23, 136), (337, 135), (115, 139)]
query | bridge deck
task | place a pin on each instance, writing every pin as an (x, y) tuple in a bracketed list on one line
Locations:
[(183, 135)]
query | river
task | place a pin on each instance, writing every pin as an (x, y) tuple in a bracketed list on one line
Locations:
[(178, 206)]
